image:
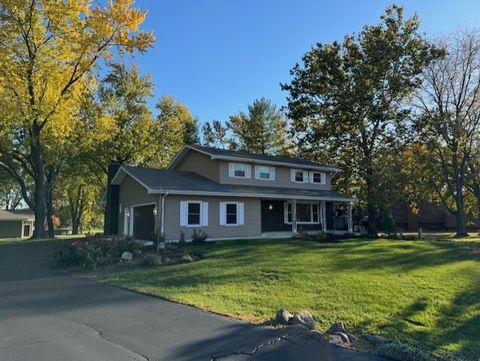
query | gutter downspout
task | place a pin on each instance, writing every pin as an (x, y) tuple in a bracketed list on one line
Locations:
[(162, 214)]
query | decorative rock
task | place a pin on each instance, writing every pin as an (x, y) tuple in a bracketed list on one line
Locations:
[(304, 317), (337, 327), (298, 328), (126, 256), (344, 336), (352, 337), (374, 339), (283, 317), (317, 335), (335, 339)]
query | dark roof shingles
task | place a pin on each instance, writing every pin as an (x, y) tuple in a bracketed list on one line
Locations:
[(162, 179)]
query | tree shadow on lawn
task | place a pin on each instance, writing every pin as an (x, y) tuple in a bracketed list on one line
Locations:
[(456, 326)]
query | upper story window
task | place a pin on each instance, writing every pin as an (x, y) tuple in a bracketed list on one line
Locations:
[(239, 170), (318, 177), (264, 172), (299, 176)]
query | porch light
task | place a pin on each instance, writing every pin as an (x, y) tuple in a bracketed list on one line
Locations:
[(127, 212), (155, 211), (270, 207)]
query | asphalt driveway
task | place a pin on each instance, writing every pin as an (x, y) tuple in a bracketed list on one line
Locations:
[(48, 315)]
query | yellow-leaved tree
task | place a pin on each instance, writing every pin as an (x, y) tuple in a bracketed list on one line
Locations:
[(49, 54)]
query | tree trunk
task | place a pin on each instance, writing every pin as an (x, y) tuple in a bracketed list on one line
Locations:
[(460, 214), (371, 208), (51, 230), (39, 196), (75, 226)]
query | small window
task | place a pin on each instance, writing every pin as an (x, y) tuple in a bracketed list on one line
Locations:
[(231, 212), (299, 176), (239, 170), (318, 177), (264, 172), (194, 217)]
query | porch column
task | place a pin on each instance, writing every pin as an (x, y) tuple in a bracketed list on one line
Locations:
[(350, 217), (323, 212), (294, 216)]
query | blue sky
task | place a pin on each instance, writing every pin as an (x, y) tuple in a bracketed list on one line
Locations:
[(217, 56)]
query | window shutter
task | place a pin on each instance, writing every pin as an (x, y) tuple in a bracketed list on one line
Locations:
[(323, 178), (248, 171), (183, 213), (257, 172), (231, 169), (204, 214), (240, 213), (305, 176), (310, 176), (223, 213), (292, 175), (272, 173)]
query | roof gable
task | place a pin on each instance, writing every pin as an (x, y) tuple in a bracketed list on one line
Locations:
[(16, 215), (233, 155)]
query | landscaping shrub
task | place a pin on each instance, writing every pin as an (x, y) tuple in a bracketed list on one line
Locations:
[(93, 251), (182, 238), (150, 260), (402, 352), (199, 236)]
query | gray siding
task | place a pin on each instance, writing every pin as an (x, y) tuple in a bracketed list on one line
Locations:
[(282, 178), (201, 164), (10, 229), (132, 193), (252, 220)]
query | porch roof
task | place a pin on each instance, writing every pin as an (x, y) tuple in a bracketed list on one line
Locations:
[(179, 182)]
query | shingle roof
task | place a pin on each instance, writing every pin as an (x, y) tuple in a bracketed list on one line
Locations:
[(170, 180), (16, 215), (259, 157)]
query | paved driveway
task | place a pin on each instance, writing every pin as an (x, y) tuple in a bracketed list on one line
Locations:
[(49, 315)]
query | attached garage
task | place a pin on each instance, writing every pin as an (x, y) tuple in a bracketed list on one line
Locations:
[(16, 223), (139, 221)]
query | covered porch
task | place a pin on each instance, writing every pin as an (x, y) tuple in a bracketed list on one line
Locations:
[(284, 217)]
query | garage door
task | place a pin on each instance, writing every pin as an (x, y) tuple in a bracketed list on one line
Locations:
[(144, 222)]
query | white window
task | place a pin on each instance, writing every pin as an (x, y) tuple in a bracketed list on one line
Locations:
[(307, 213), (193, 213), (318, 177), (239, 170), (264, 172), (299, 176), (231, 213)]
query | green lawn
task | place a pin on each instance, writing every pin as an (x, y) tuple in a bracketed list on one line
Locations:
[(426, 293)]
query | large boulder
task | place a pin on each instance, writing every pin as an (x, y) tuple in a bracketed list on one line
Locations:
[(374, 339), (305, 318), (126, 256), (283, 317), (337, 327)]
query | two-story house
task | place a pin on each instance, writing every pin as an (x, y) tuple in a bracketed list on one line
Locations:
[(227, 194)]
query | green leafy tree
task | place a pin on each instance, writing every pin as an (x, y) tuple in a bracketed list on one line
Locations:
[(263, 130), (49, 52), (346, 99)]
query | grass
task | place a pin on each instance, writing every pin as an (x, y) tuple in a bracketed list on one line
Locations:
[(27, 240), (425, 293)]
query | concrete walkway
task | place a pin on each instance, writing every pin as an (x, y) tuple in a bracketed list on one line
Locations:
[(47, 315)]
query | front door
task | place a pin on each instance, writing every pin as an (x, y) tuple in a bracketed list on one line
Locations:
[(144, 222), (273, 217)]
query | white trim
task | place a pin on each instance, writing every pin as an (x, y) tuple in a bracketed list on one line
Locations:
[(293, 175), (231, 170), (24, 223), (271, 173), (201, 216), (285, 213), (131, 175), (323, 177), (239, 208), (251, 195)]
